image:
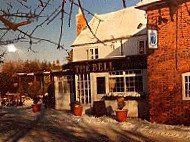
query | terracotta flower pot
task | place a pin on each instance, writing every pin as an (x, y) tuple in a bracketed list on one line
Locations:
[(36, 107), (121, 115), (77, 110)]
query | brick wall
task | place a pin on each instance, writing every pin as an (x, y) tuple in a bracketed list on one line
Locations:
[(168, 62)]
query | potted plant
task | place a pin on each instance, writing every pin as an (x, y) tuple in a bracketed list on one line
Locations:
[(36, 107), (33, 91), (121, 113), (77, 108)]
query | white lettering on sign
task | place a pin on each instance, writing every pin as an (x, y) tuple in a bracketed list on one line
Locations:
[(94, 67)]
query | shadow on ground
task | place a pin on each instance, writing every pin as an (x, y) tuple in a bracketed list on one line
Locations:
[(50, 125)]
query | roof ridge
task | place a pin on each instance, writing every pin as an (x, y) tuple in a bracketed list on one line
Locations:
[(112, 12)]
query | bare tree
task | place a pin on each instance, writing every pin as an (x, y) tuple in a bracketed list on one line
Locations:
[(17, 14)]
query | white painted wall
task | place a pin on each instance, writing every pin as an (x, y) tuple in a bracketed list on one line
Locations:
[(110, 49), (63, 97)]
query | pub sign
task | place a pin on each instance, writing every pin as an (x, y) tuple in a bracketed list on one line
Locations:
[(152, 39)]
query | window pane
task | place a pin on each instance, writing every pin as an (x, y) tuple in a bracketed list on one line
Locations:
[(101, 88), (83, 88), (91, 51), (60, 87), (119, 72), (138, 84), (141, 47), (96, 53), (131, 72), (116, 84), (86, 96), (91, 54), (187, 86), (96, 57), (137, 71), (134, 84), (86, 85)]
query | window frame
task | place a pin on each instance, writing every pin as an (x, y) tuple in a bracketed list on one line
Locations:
[(144, 48), (184, 97), (124, 74), (83, 88), (92, 54), (61, 84)]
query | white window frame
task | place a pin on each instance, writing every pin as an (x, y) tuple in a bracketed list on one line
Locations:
[(86, 90), (93, 55), (184, 97), (123, 74)]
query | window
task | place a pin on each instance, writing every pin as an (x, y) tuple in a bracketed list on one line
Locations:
[(126, 81), (117, 84), (65, 84), (96, 53), (116, 73), (60, 87), (101, 88), (186, 86), (68, 84), (134, 84), (142, 46), (92, 53), (83, 88)]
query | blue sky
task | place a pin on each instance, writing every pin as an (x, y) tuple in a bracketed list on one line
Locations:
[(49, 52)]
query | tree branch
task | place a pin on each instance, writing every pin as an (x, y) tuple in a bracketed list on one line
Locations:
[(124, 3), (88, 24), (13, 26), (62, 18), (70, 13)]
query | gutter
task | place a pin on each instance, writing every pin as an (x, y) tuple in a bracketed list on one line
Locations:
[(145, 6), (108, 40)]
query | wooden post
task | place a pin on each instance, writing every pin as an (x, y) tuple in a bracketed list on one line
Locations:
[(43, 82), (20, 84), (35, 84), (20, 88), (121, 47)]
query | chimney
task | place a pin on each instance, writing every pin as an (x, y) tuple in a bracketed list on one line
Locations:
[(80, 22)]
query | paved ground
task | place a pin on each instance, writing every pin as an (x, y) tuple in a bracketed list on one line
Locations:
[(21, 124)]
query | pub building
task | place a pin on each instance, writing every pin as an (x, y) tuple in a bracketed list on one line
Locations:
[(168, 26), (113, 64)]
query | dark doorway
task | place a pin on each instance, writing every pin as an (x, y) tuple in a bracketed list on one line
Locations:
[(101, 88)]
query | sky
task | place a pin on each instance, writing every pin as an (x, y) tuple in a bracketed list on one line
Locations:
[(49, 52)]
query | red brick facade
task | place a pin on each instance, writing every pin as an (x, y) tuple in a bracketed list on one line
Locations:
[(80, 22), (167, 63)]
